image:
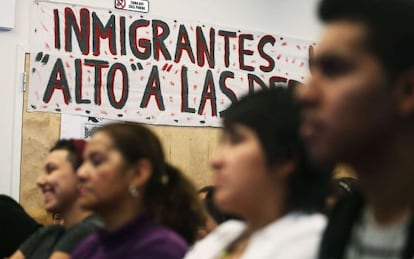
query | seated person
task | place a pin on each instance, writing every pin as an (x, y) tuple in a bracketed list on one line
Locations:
[(59, 185), (149, 208), (15, 225), (263, 175)]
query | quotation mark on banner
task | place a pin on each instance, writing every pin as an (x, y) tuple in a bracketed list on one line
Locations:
[(139, 66), (167, 67), (40, 58)]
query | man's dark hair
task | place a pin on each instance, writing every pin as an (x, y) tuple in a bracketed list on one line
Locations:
[(389, 24), (75, 149)]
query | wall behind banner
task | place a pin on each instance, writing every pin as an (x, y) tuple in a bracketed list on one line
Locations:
[(188, 148)]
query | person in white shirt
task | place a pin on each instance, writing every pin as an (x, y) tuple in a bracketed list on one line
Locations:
[(263, 176)]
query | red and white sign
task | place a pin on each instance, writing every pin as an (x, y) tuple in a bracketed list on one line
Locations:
[(141, 6)]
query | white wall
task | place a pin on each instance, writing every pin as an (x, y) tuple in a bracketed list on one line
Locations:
[(9, 139), (293, 18)]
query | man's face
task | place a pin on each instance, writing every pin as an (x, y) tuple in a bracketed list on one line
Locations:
[(347, 103)]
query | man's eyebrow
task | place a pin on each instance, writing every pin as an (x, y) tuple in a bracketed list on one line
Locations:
[(331, 56)]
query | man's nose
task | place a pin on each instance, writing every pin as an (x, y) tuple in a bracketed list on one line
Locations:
[(308, 94)]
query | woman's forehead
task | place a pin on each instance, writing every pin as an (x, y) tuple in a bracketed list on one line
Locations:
[(100, 140)]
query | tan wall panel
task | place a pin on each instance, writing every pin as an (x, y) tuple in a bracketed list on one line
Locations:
[(190, 149), (40, 130), (201, 147)]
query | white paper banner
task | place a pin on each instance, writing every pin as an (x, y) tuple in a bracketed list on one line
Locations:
[(129, 66)]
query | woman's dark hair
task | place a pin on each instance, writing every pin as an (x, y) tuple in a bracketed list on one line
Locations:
[(390, 35), (218, 216), (274, 117), (75, 149), (168, 196)]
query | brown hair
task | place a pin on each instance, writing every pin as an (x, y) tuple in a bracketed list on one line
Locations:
[(168, 195)]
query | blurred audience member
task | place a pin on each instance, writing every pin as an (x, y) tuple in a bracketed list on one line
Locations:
[(262, 174), (59, 185), (358, 109), (149, 209), (15, 225)]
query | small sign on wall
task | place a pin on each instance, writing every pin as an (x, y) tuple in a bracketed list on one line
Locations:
[(141, 6)]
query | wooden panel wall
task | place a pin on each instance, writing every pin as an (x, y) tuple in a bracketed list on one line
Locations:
[(39, 132)]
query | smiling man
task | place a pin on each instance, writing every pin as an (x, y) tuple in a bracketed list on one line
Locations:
[(358, 109)]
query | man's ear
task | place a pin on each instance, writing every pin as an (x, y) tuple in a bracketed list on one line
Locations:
[(405, 93), (141, 172)]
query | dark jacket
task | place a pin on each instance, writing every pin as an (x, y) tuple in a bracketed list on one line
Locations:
[(341, 221), (15, 225)]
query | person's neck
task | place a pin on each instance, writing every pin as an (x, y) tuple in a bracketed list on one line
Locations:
[(386, 181), (74, 215), (268, 211), (114, 217), (389, 201)]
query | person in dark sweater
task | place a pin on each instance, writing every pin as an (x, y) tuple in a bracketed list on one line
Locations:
[(149, 208), (15, 225)]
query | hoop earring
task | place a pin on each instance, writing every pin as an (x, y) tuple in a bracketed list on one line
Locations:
[(133, 191)]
